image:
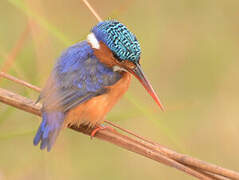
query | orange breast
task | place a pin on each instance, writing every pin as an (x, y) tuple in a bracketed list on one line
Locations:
[(93, 111)]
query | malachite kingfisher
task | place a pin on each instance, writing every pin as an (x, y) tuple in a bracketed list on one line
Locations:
[(88, 79)]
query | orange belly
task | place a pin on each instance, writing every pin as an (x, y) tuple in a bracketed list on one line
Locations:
[(93, 111)]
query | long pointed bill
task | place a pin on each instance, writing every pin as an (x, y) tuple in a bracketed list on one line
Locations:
[(138, 73)]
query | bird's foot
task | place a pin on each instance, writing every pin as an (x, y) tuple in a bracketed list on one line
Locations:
[(99, 128)]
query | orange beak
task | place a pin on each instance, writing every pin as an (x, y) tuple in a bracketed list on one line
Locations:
[(138, 73)]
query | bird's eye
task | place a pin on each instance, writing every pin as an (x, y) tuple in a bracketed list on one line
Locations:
[(117, 57)]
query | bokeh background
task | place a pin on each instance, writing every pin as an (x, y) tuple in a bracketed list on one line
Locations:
[(190, 54)]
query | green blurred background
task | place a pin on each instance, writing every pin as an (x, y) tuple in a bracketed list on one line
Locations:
[(190, 54)]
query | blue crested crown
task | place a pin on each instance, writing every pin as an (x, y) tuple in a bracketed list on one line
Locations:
[(119, 39)]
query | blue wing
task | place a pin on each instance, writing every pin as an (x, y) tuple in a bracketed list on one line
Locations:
[(77, 77)]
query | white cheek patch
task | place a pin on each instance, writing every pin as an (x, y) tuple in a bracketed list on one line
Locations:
[(93, 41), (117, 68)]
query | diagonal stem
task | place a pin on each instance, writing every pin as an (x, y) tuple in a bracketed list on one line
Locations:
[(187, 160), (92, 10), (114, 137), (14, 100), (19, 81)]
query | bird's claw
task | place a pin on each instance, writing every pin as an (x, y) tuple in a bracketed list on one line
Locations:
[(99, 128)]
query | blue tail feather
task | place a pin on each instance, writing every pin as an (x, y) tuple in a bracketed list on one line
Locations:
[(49, 129)]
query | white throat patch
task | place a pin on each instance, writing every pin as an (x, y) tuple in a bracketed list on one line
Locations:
[(93, 41), (117, 68)]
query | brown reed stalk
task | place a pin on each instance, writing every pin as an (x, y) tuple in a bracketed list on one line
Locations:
[(92, 10), (19, 81), (114, 137), (147, 148)]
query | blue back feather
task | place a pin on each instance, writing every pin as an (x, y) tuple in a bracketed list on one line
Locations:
[(77, 77)]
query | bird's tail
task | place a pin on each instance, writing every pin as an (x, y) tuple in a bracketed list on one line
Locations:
[(49, 129)]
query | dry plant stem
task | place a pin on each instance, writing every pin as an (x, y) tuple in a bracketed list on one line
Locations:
[(187, 160), (213, 176), (92, 10), (18, 81), (110, 136), (155, 146), (114, 137), (17, 102), (178, 157), (139, 148)]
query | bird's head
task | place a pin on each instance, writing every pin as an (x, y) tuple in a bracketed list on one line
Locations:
[(119, 49)]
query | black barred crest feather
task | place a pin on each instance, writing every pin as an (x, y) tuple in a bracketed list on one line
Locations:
[(119, 39)]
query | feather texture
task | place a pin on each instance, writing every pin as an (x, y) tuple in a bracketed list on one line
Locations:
[(119, 40), (49, 129), (77, 77)]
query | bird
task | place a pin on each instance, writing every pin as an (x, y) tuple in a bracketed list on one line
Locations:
[(88, 79)]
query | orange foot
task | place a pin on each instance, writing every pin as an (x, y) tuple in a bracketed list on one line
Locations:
[(99, 128)]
